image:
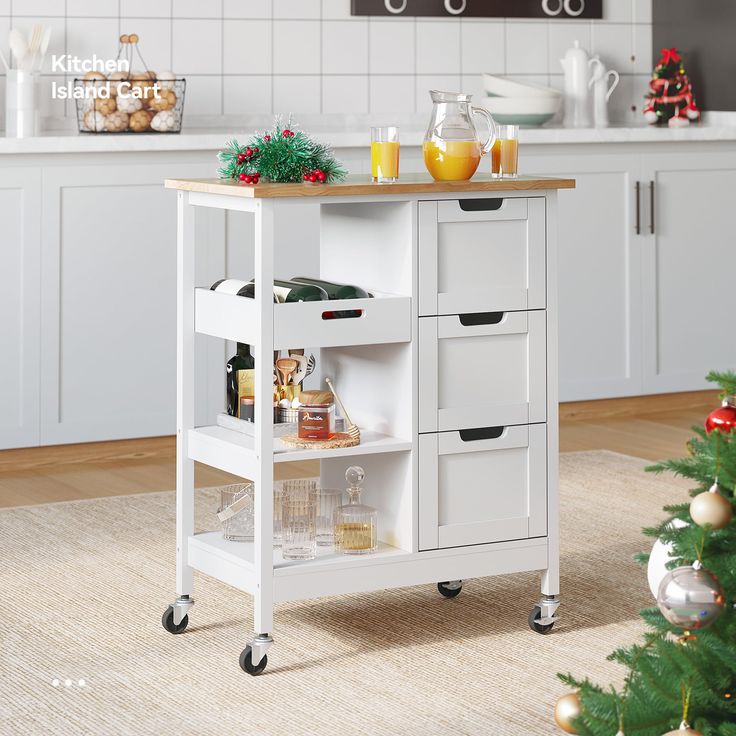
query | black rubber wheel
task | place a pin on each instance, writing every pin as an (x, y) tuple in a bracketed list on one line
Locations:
[(534, 624), (246, 662), (449, 592), (167, 621)]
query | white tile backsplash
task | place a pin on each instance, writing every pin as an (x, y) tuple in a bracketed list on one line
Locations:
[(197, 46), (526, 48), (347, 94), (391, 47), (438, 47), (345, 47), (291, 53), (297, 95), (392, 94), (482, 47), (244, 57), (247, 47)]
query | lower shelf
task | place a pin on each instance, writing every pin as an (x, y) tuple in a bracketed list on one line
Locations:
[(331, 573)]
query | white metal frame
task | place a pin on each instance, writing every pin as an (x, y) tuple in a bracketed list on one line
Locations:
[(392, 459)]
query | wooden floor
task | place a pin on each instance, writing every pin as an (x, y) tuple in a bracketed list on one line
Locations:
[(651, 427)]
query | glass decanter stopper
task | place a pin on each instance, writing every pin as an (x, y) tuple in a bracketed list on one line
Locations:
[(356, 525)]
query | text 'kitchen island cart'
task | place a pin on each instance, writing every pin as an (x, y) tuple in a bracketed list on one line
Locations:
[(450, 372)]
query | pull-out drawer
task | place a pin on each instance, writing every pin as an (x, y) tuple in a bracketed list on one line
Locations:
[(481, 255), (477, 370), (481, 486)]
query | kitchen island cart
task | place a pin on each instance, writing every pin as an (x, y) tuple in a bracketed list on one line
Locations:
[(450, 371)]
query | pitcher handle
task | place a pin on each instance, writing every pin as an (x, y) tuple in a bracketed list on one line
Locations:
[(614, 75), (491, 127)]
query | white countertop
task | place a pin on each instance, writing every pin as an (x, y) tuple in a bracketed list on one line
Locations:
[(717, 127)]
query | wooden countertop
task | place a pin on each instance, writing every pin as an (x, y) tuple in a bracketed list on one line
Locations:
[(362, 185)]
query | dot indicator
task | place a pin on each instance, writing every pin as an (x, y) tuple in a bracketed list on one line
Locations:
[(67, 683)]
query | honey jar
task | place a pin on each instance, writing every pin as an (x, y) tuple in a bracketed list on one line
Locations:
[(316, 415)]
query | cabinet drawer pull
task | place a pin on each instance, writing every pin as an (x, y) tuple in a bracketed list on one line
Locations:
[(651, 207), (638, 208), (481, 318), (483, 433), (481, 205)]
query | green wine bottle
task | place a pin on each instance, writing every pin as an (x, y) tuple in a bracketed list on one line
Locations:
[(289, 291), (335, 290), (243, 360)]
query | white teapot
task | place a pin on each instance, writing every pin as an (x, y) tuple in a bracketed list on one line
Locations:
[(575, 64)]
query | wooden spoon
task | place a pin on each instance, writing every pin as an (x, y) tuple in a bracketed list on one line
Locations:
[(286, 366)]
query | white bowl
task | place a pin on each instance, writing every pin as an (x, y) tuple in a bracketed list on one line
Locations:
[(529, 111), (504, 87)]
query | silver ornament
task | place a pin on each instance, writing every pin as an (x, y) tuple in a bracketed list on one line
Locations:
[(690, 597), (684, 730)]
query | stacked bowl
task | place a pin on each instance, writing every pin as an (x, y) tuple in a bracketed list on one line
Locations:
[(516, 103)]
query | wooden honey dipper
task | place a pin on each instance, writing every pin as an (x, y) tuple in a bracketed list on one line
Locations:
[(353, 430)]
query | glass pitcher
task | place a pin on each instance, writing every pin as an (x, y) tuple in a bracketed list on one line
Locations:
[(452, 149)]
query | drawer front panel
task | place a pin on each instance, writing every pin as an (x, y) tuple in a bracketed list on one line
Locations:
[(480, 491), (482, 260), (480, 375)]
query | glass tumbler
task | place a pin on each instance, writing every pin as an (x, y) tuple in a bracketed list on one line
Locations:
[(328, 500), (505, 152), (299, 521), (236, 512), (385, 154)]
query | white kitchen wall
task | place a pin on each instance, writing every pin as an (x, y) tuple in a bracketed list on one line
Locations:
[(250, 57)]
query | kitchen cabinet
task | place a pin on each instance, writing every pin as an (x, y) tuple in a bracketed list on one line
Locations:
[(22, 361), (689, 264)]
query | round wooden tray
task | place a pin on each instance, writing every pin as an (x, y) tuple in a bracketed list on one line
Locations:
[(341, 439)]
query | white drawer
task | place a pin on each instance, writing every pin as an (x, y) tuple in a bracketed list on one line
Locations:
[(478, 370), (481, 486), (482, 260)]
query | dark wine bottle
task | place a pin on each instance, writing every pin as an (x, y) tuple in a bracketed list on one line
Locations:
[(335, 290), (289, 291), (237, 287), (243, 360)]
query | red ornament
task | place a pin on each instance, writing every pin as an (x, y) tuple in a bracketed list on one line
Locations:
[(241, 158), (321, 176), (247, 179), (248, 152), (723, 418), (242, 177), (266, 137), (255, 149), (306, 176), (312, 178), (287, 133)]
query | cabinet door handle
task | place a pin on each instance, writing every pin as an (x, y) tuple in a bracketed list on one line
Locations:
[(483, 433), (481, 205), (480, 318), (651, 207), (638, 208)]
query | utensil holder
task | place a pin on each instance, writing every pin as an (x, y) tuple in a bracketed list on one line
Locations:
[(21, 104)]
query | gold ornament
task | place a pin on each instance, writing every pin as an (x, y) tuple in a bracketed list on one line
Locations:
[(140, 121), (710, 507), (567, 710), (684, 730)]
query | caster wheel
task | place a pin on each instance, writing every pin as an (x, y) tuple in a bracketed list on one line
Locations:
[(246, 662), (447, 591), (167, 621), (534, 624)]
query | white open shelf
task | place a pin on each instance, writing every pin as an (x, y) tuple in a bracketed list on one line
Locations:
[(385, 319), (234, 452)]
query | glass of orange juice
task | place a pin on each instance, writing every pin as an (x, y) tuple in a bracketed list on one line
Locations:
[(385, 154), (505, 152)]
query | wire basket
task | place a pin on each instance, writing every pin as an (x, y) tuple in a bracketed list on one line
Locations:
[(141, 104)]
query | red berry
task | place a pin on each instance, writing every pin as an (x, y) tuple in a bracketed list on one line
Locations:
[(306, 177), (241, 158), (247, 179), (249, 152), (255, 149), (318, 171), (242, 177), (256, 179), (266, 137), (287, 133), (312, 178), (321, 176)]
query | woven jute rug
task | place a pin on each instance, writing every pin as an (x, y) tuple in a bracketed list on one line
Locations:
[(83, 586)]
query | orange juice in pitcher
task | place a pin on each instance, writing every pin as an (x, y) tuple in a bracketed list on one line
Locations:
[(452, 149)]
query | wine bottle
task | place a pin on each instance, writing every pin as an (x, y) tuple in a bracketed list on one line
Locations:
[(237, 287), (243, 360), (335, 290), (289, 291)]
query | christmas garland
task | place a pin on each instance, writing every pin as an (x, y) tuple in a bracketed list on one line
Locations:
[(282, 155)]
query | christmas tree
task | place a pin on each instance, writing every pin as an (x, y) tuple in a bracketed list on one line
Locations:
[(683, 675), (670, 98)]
